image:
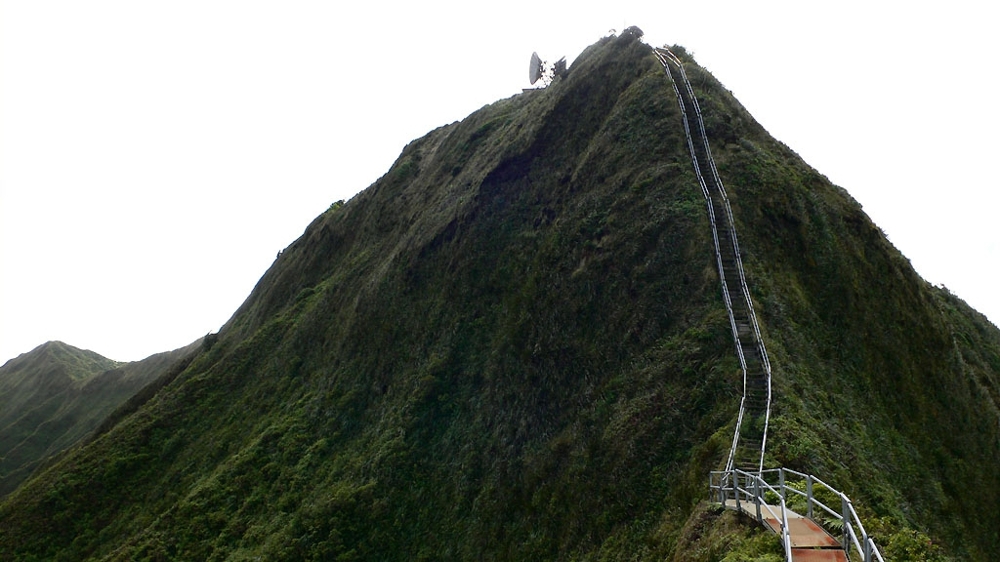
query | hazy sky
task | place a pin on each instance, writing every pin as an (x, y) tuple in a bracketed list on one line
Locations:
[(156, 156)]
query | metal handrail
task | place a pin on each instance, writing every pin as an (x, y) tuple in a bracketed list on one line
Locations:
[(665, 56), (756, 486), (758, 340), (848, 516)]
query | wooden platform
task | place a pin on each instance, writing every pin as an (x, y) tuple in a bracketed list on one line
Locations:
[(810, 542)]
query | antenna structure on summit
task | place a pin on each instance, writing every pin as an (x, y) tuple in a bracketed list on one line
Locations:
[(541, 70)]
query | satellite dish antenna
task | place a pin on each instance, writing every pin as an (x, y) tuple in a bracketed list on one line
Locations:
[(541, 70), (535, 70)]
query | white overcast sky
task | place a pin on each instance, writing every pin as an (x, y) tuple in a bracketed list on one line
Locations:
[(157, 155)]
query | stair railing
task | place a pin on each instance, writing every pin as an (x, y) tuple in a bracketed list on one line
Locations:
[(663, 56), (754, 488), (666, 57)]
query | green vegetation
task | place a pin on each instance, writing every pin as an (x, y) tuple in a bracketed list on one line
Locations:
[(37, 390), (716, 535), (513, 347), (55, 395)]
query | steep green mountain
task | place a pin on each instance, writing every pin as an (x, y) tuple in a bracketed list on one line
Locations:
[(56, 394), (513, 346)]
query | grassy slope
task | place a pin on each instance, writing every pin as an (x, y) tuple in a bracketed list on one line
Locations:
[(513, 346), (34, 390), (53, 396), (885, 384)]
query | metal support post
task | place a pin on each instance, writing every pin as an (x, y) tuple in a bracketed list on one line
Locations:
[(809, 496), (756, 493), (846, 514)]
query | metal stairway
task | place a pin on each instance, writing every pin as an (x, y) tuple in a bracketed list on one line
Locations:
[(744, 485), (750, 439), (765, 496)]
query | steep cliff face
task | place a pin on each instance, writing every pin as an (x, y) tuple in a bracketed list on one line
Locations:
[(513, 346)]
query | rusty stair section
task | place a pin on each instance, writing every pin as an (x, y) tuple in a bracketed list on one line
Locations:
[(750, 438)]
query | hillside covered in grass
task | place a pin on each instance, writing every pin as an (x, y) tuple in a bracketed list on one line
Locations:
[(513, 346), (56, 394)]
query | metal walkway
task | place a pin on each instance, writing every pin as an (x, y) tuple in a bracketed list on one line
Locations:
[(743, 485), (807, 540), (765, 496)]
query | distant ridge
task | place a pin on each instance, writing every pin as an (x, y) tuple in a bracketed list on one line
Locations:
[(54, 395)]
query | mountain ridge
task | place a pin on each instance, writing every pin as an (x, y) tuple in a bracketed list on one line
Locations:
[(513, 346), (54, 395)]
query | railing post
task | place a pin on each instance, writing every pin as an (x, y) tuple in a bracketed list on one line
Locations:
[(722, 489), (725, 491), (756, 493), (867, 554), (785, 535), (781, 481), (747, 486), (736, 489), (845, 510), (731, 481), (809, 496)]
